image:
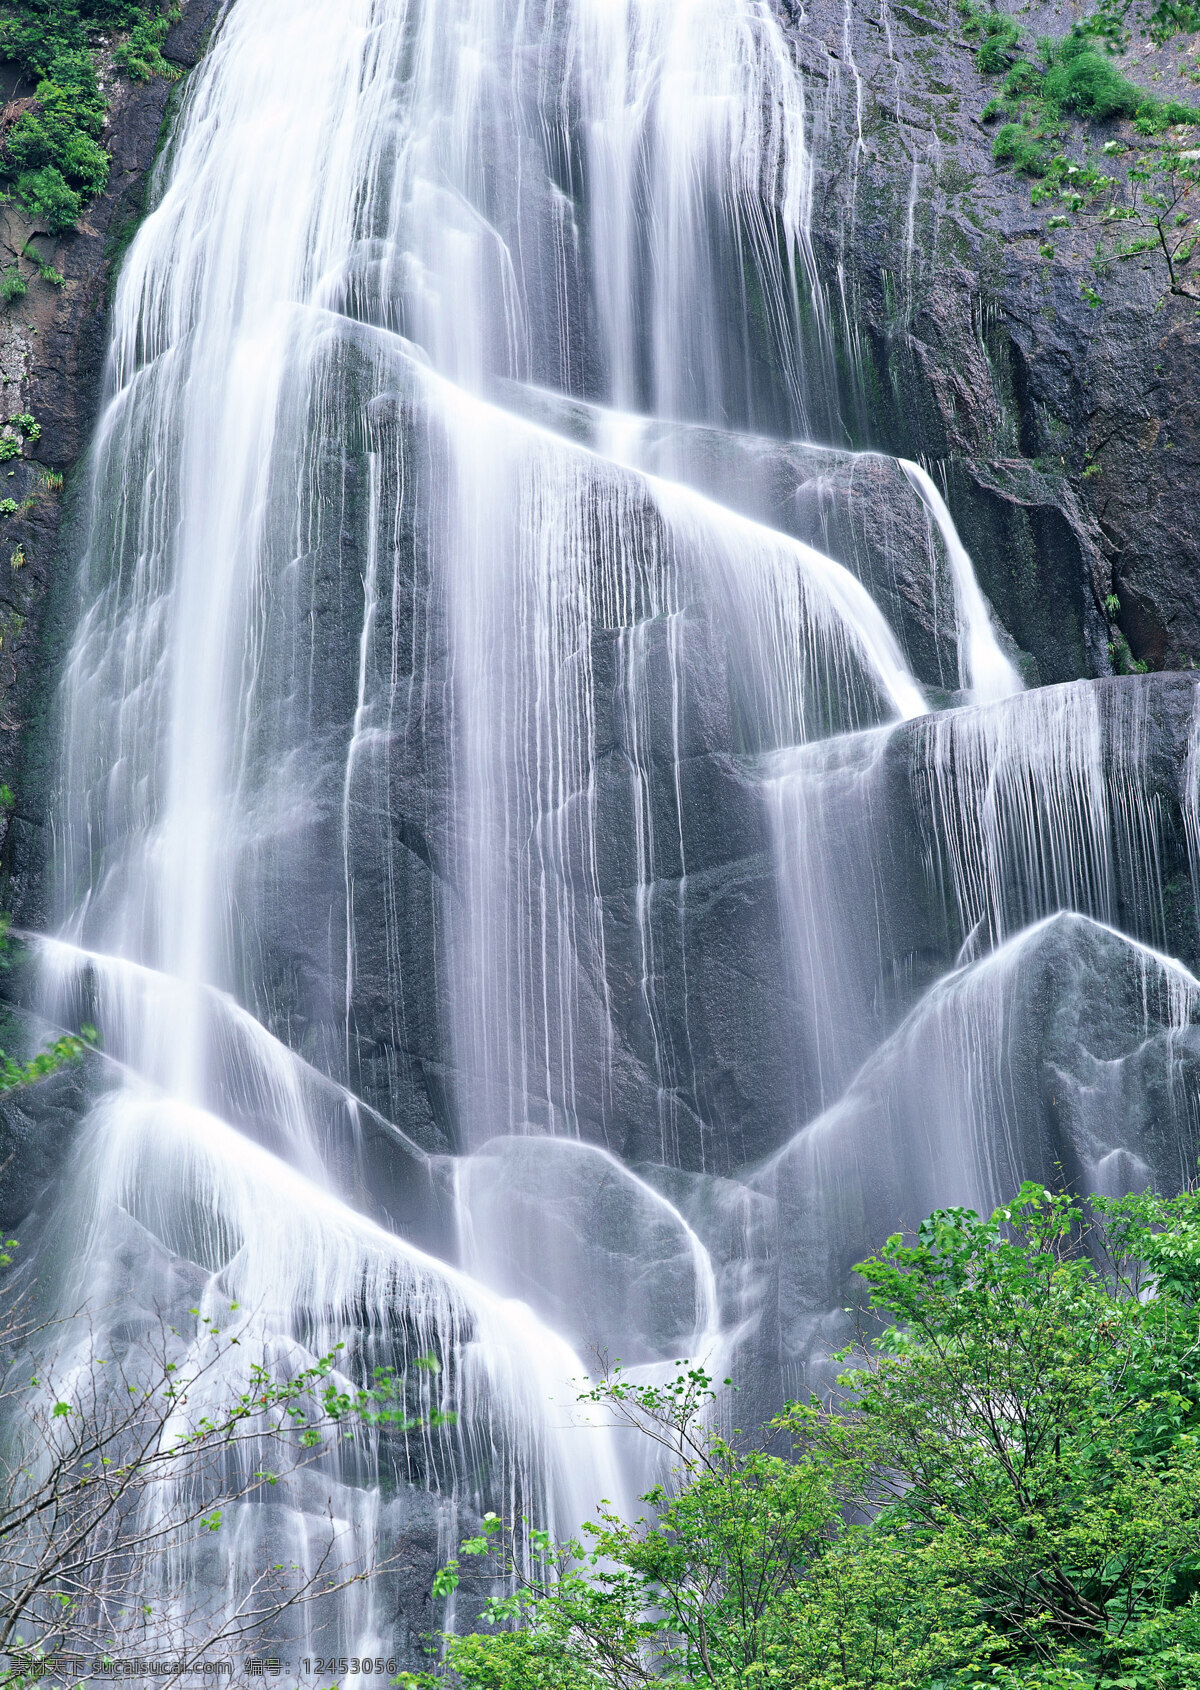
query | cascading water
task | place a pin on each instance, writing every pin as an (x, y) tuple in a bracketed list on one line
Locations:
[(530, 904)]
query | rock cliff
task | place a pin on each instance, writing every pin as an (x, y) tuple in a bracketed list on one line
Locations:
[(1066, 432), (723, 940), (1063, 432), (51, 363)]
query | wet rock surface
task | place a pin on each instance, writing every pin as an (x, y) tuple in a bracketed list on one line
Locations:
[(807, 970), (52, 342), (1065, 438), (37, 1128), (1017, 1067), (1066, 434)]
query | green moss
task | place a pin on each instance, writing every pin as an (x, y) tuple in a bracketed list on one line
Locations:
[(954, 177)]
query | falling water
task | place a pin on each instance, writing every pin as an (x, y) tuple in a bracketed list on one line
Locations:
[(984, 671), (532, 907)]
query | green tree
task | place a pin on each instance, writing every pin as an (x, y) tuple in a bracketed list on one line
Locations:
[(91, 1500), (1163, 212), (1004, 1489)]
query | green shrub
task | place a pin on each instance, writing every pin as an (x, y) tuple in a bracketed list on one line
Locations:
[(996, 32), (1084, 82), (13, 285), (141, 56), (46, 271), (1173, 17), (48, 199), (1106, 25), (1022, 79), (1075, 79), (47, 141), (1000, 38), (53, 156), (1000, 107), (10, 444), (1016, 146), (1003, 1493)]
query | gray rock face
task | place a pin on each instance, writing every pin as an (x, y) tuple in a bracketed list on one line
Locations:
[(52, 345), (1069, 1052), (856, 507), (595, 1252), (37, 1124), (1066, 435)]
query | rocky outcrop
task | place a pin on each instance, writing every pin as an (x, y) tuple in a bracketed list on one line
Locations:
[(51, 362), (1063, 433), (966, 345), (1066, 433), (1068, 1052)]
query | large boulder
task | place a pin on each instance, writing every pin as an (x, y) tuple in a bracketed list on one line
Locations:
[(1070, 1053), (601, 1255)]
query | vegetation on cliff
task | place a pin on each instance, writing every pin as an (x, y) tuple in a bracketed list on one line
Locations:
[(1143, 194), (68, 1048), (1004, 1491), (52, 160)]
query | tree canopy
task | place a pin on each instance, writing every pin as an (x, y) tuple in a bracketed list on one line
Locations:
[(1002, 1490)]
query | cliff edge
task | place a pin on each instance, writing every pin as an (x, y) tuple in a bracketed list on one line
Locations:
[(52, 338)]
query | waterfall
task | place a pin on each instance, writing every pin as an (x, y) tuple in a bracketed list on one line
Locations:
[(984, 671), (560, 858)]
